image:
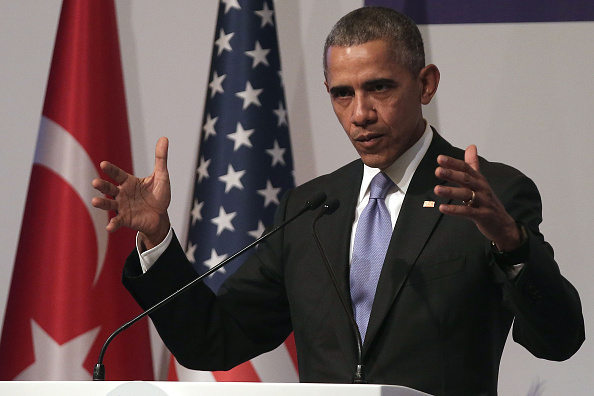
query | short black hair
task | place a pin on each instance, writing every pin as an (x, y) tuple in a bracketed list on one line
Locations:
[(379, 23)]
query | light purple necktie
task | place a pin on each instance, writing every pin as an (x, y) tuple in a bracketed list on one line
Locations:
[(372, 237)]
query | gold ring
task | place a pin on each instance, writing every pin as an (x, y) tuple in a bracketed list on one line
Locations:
[(471, 200)]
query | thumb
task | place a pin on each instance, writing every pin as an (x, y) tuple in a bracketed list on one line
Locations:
[(161, 155), (471, 157)]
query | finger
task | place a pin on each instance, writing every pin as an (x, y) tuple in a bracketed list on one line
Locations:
[(455, 164), (471, 157), (115, 173), (114, 224), (105, 187), (161, 154), (104, 203), (458, 210), (456, 193), (458, 177)]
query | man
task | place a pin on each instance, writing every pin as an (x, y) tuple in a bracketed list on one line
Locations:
[(433, 304)]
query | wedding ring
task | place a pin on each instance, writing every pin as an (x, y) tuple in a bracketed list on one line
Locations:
[(471, 200)]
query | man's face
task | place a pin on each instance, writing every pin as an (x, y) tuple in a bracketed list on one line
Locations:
[(376, 100)]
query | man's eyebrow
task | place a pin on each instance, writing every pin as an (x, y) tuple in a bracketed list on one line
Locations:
[(338, 88), (379, 81)]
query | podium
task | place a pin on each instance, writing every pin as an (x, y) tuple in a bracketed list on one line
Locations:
[(156, 388)]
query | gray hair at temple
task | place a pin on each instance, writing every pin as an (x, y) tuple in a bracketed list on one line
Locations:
[(379, 23)]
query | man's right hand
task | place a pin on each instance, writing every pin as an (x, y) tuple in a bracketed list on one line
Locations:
[(140, 204)]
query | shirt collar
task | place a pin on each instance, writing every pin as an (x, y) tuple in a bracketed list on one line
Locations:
[(403, 169)]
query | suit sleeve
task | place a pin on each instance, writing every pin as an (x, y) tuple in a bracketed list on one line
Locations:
[(548, 314), (249, 316)]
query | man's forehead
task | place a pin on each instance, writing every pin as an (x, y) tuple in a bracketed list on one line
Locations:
[(376, 42), (371, 49), (364, 62)]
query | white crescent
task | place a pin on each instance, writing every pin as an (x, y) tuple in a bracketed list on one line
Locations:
[(60, 152)]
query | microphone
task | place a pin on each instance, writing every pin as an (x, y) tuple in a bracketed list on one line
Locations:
[(329, 208), (312, 203)]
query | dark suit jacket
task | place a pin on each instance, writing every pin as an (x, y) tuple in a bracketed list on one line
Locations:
[(442, 310)]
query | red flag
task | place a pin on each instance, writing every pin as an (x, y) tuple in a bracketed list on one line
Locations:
[(65, 297)]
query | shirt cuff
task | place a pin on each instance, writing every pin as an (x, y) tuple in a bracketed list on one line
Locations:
[(150, 257), (513, 261)]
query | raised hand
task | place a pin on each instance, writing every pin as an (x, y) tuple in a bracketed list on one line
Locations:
[(479, 202), (140, 204)]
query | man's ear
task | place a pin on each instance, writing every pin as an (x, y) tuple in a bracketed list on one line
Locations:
[(429, 78), (327, 86)]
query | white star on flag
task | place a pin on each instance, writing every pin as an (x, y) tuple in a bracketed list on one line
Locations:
[(224, 42), (258, 55), (202, 170), (223, 221), (65, 360), (215, 259), (241, 137), (277, 153), (232, 178), (197, 211), (249, 96), (191, 253), (216, 84), (257, 233), (281, 113), (270, 194), (266, 15), (231, 4), (209, 127)]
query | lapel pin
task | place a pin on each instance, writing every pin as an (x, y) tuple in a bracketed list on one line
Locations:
[(429, 204)]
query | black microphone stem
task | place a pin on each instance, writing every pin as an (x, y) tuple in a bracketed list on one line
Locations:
[(99, 370), (359, 377)]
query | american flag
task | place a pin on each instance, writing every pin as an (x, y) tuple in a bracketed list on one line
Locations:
[(244, 160)]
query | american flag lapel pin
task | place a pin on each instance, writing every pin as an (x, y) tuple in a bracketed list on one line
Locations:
[(429, 204)]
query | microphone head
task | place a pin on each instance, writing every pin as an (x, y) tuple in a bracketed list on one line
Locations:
[(316, 200), (331, 205)]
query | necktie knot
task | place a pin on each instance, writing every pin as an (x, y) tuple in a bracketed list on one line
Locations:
[(380, 184)]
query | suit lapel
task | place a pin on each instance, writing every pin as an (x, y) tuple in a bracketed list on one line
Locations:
[(334, 230), (411, 232)]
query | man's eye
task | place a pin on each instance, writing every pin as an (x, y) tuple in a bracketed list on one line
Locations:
[(342, 93), (380, 87)]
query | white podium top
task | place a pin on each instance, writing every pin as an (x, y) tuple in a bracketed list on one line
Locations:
[(140, 388)]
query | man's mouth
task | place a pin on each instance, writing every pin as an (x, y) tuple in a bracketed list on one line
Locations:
[(368, 138)]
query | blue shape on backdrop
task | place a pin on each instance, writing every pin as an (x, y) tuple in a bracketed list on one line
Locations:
[(501, 11)]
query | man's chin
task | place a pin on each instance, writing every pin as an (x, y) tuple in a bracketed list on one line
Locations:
[(375, 161)]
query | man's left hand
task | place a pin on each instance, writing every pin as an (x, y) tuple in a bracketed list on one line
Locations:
[(479, 202)]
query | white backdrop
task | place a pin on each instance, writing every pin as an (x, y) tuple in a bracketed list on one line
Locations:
[(522, 92)]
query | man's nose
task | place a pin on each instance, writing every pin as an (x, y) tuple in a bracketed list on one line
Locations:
[(363, 110)]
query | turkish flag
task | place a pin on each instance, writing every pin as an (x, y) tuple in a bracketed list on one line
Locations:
[(66, 296)]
